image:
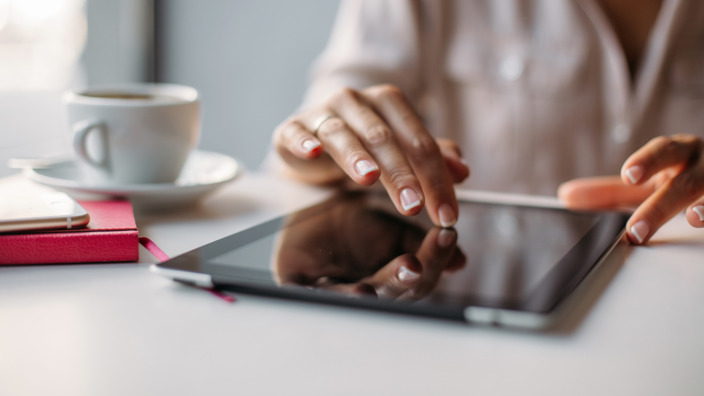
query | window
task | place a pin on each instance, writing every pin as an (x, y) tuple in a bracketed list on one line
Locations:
[(41, 42), (50, 46)]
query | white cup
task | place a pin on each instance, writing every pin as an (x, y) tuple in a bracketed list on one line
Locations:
[(133, 133)]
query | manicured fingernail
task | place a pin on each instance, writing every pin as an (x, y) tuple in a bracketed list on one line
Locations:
[(310, 145), (640, 230), (365, 167), (699, 210), (409, 199), (405, 274), (634, 173), (447, 216), (446, 237)]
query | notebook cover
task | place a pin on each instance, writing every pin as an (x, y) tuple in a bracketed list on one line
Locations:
[(110, 236)]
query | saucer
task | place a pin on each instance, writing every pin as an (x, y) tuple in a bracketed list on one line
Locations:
[(203, 173)]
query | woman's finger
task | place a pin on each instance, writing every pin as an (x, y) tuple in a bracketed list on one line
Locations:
[(395, 278), (298, 146), (420, 151), (678, 164), (602, 193), (294, 137), (349, 289), (695, 213), (377, 138), (343, 145), (669, 199), (659, 154), (459, 170), (435, 255), (414, 276)]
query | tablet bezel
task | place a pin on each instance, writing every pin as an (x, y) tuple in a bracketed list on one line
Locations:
[(186, 268)]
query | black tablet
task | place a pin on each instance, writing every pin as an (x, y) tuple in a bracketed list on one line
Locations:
[(508, 261)]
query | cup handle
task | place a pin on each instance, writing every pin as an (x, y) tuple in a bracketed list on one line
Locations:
[(81, 130)]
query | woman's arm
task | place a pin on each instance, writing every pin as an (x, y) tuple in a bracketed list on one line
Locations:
[(358, 120)]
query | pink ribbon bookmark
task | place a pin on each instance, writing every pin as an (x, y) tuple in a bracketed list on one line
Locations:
[(161, 256)]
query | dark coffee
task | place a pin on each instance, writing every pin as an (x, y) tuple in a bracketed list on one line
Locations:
[(132, 96)]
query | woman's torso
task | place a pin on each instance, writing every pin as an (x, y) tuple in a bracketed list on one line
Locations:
[(535, 92)]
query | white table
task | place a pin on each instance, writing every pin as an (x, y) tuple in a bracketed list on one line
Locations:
[(117, 329)]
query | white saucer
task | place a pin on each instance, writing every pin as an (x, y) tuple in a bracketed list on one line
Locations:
[(203, 173)]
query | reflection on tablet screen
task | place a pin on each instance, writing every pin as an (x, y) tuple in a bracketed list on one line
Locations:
[(506, 256)]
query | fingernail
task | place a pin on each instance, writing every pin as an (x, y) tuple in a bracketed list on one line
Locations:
[(634, 173), (699, 210), (445, 237), (365, 167), (409, 199), (405, 274), (310, 145), (447, 216), (640, 230)]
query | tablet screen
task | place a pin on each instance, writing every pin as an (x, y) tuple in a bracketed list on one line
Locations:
[(357, 246)]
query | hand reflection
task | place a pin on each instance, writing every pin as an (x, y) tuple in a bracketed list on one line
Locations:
[(358, 249)]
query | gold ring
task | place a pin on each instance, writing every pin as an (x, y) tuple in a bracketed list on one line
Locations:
[(320, 121)]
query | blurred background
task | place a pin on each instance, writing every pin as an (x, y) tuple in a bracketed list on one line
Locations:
[(248, 58)]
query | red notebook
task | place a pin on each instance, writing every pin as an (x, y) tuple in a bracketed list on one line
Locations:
[(110, 236)]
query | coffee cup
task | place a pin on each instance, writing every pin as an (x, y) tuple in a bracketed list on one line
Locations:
[(133, 133)]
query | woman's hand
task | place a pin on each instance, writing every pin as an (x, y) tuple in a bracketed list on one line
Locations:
[(663, 177), (371, 135), (360, 249)]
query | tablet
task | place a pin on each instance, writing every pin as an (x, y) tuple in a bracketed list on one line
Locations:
[(508, 261)]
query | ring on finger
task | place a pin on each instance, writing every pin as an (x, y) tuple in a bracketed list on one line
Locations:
[(320, 121)]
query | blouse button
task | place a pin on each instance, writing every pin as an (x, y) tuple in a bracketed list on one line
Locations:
[(621, 133), (511, 68)]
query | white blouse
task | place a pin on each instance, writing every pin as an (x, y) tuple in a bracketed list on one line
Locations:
[(535, 92)]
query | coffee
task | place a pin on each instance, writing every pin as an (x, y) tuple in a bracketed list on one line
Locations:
[(132, 96)]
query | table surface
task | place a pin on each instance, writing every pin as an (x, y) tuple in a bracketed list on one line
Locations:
[(118, 329)]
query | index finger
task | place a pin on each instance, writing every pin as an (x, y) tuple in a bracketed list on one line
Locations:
[(421, 150), (435, 254)]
